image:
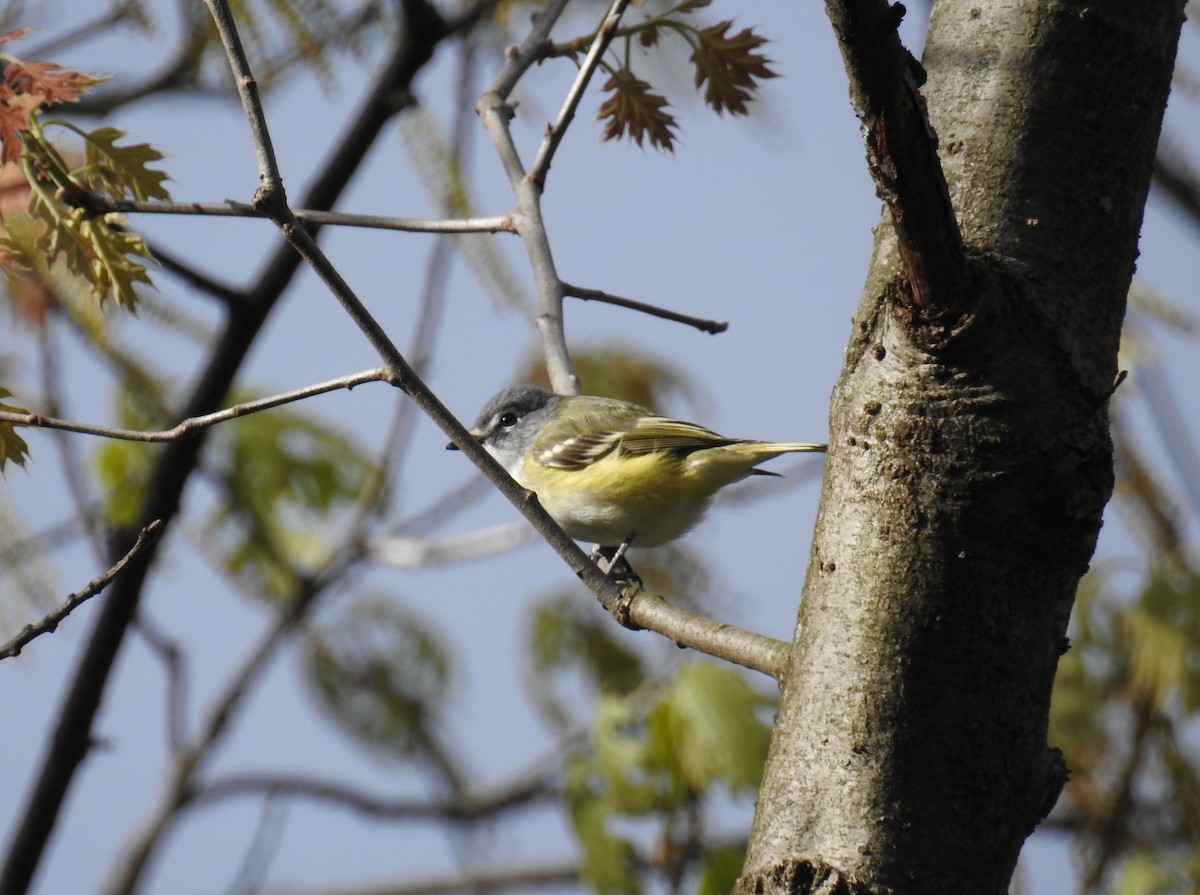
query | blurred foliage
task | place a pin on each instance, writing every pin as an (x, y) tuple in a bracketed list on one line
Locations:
[(1126, 706), (617, 371), (92, 246), (382, 675), (284, 475), (658, 754)]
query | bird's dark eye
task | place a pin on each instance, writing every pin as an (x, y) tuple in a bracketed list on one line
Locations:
[(508, 420)]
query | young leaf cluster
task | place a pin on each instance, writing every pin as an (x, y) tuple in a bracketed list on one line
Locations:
[(94, 248), (728, 66), (284, 473), (660, 754), (1134, 789)]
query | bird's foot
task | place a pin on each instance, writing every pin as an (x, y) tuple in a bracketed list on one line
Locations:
[(612, 562)]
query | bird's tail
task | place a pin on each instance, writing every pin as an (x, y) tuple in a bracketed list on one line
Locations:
[(784, 447)]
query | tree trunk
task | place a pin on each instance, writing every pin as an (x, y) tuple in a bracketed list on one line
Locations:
[(969, 465)]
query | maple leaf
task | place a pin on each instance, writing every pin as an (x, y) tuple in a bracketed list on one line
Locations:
[(634, 110), (12, 445), (112, 256), (122, 170), (729, 65), (14, 118), (47, 80)]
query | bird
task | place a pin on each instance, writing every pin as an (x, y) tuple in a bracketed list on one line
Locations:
[(612, 472)]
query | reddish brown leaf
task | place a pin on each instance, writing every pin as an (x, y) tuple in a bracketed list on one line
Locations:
[(47, 80), (14, 35), (14, 118), (729, 65), (634, 110)]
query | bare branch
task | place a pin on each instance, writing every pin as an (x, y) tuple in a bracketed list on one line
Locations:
[(87, 30), (168, 652), (51, 622), (495, 112), (902, 154), (467, 807), (709, 326), (418, 553), (96, 205), (550, 876), (554, 134), (228, 295), (194, 424), (271, 181), (748, 649), (263, 846)]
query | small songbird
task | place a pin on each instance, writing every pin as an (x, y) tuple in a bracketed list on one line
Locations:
[(612, 472)]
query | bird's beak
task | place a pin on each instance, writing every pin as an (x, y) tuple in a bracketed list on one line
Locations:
[(454, 447)]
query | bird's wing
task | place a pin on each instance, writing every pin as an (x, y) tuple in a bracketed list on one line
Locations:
[(658, 434), (577, 442)]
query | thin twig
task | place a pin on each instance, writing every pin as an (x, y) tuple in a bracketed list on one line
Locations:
[(495, 113), (554, 134), (97, 205), (466, 807), (263, 846), (51, 622), (227, 295), (72, 468), (270, 179), (404, 552), (88, 30), (709, 326), (194, 424), (174, 663)]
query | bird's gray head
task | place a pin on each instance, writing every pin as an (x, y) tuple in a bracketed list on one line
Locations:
[(509, 423)]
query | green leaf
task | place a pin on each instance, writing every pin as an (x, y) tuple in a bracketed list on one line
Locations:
[(566, 636), (730, 66), (1163, 631), (123, 468), (284, 473), (12, 446), (707, 729), (115, 260), (96, 250), (121, 171), (636, 111), (608, 861), (1144, 873), (381, 674)]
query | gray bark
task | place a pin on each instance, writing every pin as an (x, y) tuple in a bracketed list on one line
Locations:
[(969, 465)]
